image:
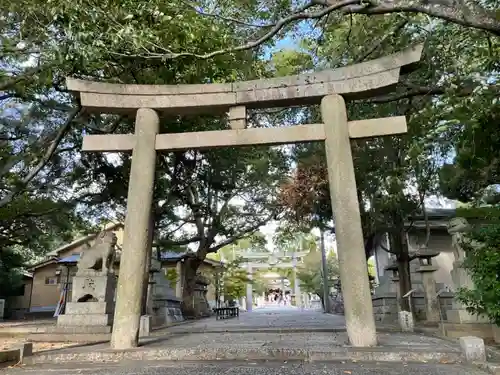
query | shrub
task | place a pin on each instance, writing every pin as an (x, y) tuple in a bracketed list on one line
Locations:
[(483, 265)]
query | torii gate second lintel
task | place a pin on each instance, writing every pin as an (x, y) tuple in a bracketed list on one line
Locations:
[(336, 132), (245, 137)]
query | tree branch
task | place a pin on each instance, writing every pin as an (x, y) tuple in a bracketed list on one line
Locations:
[(298, 15), (419, 91), (185, 241), (397, 29), (475, 17), (216, 223), (44, 160), (244, 233), (28, 74), (41, 213), (387, 249), (111, 128), (478, 18), (194, 204), (221, 17)]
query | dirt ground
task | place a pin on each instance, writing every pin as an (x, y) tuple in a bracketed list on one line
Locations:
[(11, 342), (7, 342)]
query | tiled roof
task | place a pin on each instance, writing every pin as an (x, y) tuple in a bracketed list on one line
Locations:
[(171, 255), (165, 256), (71, 259)]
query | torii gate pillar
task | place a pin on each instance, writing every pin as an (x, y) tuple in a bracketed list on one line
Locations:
[(249, 299), (358, 308), (136, 244)]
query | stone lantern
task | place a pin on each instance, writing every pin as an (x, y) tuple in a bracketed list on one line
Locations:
[(427, 269)]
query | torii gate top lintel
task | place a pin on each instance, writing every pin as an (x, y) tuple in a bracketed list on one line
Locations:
[(354, 82)]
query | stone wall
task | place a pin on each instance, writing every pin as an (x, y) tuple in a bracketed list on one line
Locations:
[(385, 307)]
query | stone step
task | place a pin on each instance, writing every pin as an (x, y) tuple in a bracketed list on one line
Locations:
[(78, 320), (70, 337), (75, 308), (379, 354)]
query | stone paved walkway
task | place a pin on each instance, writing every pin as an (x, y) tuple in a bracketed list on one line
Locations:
[(268, 318), (267, 341), (248, 368), (265, 334)]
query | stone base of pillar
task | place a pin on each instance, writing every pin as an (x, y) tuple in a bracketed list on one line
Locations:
[(462, 316), (456, 330), (87, 314), (92, 301), (145, 326), (243, 304), (249, 305), (496, 333)]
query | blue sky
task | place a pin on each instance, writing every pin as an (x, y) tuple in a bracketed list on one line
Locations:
[(288, 42)]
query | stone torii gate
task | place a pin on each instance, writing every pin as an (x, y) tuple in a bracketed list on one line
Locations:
[(274, 260), (328, 87)]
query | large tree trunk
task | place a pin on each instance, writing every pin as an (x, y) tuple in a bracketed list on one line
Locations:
[(403, 260), (190, 310), (321, 298), (404, 279)]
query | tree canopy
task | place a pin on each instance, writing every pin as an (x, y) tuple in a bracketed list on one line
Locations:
[(208, 199), (310, 272)]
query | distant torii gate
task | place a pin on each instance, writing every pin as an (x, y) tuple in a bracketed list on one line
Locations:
[(352, 82), (274, 260)]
